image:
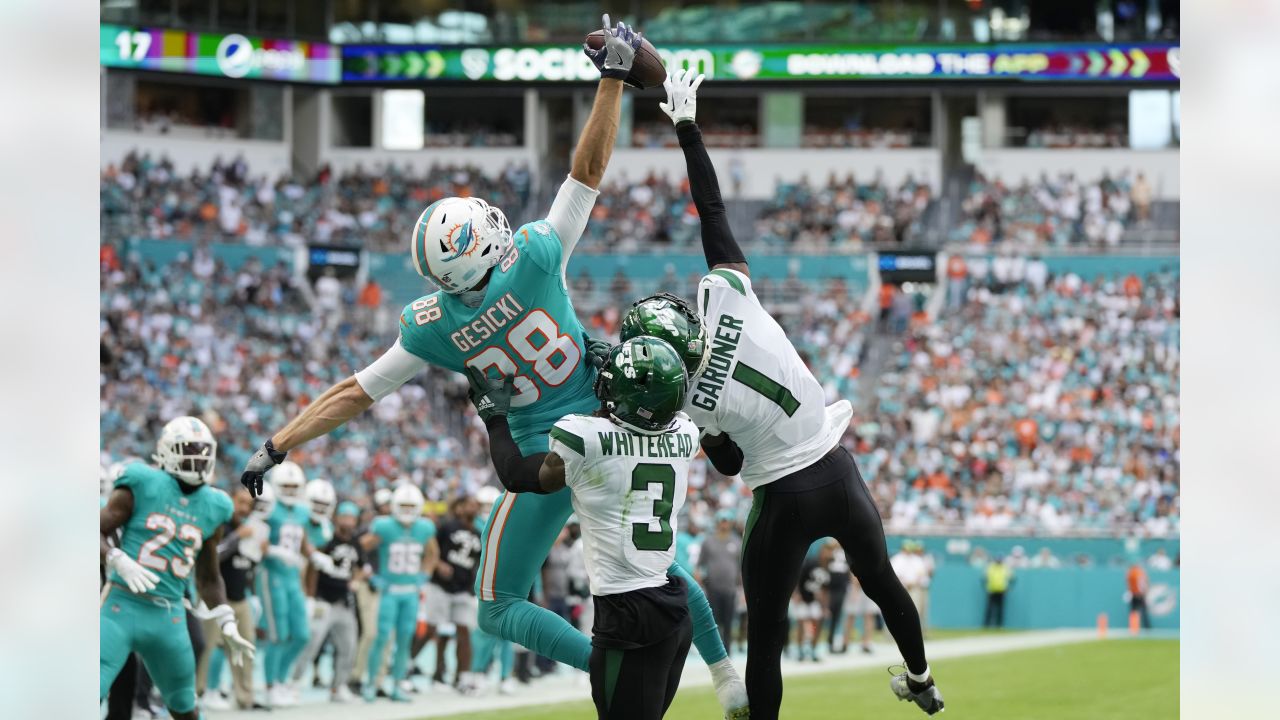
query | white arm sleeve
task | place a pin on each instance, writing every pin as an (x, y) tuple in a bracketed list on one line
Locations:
[(569, 214), (393, 369)]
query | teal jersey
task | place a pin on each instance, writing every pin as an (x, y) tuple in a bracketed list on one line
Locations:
[(168, 527), (400, 549), (525, 326), (319, 533), (288, 526)]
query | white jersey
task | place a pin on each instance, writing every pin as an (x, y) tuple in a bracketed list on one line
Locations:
[(627, 490), (756, 388)]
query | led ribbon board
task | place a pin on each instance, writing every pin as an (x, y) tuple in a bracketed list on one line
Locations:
[(232, 56), (1149, 63)]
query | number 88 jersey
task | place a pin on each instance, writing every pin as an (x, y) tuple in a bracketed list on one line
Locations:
[(756, 387), (627, 489), (168, 527), (525, 325)]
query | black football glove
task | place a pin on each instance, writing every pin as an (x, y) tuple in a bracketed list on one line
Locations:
[(266, 458), (614, 59), (597, 351), (491, 397)]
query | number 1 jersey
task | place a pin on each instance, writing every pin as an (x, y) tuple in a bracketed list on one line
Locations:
[(756, 388), (525, 326), (627, 490)]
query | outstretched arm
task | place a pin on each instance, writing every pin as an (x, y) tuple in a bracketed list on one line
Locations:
[(327, 413), (516, 472), (595, 145), (718, 243)]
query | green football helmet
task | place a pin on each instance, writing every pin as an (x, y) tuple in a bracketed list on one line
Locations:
[(670, 318), (642, 384)]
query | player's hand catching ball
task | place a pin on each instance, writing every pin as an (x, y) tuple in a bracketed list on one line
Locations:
[(619, 51), (266, 458), (139, 579), (682, 95), (491, 397)]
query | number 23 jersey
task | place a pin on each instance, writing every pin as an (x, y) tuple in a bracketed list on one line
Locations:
[(627, 490), (756, 388), (168, 527), (526, 326)]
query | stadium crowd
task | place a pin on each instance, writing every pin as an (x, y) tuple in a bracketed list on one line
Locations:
[(145, 196), (843, 214), (1053, 211)]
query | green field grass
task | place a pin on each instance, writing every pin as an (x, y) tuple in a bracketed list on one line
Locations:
[(1101, 680)]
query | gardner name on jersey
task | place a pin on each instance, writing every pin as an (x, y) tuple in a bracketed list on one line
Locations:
[(525, 326), (756, 387)]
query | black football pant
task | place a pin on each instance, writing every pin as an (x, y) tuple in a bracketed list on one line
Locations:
[(639, 684), (826, 499)]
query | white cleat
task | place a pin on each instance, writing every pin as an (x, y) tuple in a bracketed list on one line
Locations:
[(507, 687), (215, 700), (341, 694), (280, 696), (925, 694)]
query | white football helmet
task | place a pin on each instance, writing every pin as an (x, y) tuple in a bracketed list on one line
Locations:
[(186, 450), (323, 499), (456, 240), (487, 496), (406, 503), (265, 502), (381, 496), (290, 482)]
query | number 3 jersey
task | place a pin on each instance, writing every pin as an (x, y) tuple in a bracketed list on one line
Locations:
[(525, 326), (756, 388), (168, 527), (627, 490), (400, 551)]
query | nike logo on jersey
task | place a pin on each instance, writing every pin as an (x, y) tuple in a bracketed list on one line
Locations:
[(487, 323), (724, 346)]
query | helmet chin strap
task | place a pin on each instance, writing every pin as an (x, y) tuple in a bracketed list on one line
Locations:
[(473, 297)]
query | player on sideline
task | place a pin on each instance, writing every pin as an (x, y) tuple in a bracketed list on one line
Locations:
[(503, 308), (171, 523), (280, 577), (762, 413), (627, 466), (407, 555)]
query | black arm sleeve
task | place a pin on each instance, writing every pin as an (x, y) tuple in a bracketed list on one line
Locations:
[(516, 472), (718, 243), (725, 457)]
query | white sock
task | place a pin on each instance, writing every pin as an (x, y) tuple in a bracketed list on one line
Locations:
[(922, 677), (730, 690)]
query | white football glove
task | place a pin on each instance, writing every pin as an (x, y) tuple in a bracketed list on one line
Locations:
[(288, 557), (237, 648), (139, 579), (323, 563), (682, 95)]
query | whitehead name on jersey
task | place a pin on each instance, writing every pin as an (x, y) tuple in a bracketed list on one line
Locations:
[(756, 388), (627, 490)]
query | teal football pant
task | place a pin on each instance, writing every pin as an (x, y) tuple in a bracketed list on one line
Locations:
[(288, 627), (157, 631), (398, 616), (519, 535)]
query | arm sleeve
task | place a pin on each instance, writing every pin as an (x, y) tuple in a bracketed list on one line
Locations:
[(718, 243), (569, 214), (389, 372), (726, 457), (516, 472)]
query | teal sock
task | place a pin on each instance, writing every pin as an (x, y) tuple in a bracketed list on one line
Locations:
[(506, 659), (538, 629), (375, 656), (706, 635)]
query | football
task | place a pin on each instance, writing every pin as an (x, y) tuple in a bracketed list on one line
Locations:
[(647, 69)]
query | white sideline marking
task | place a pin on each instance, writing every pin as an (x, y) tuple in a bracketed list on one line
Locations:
[(571, 686)]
